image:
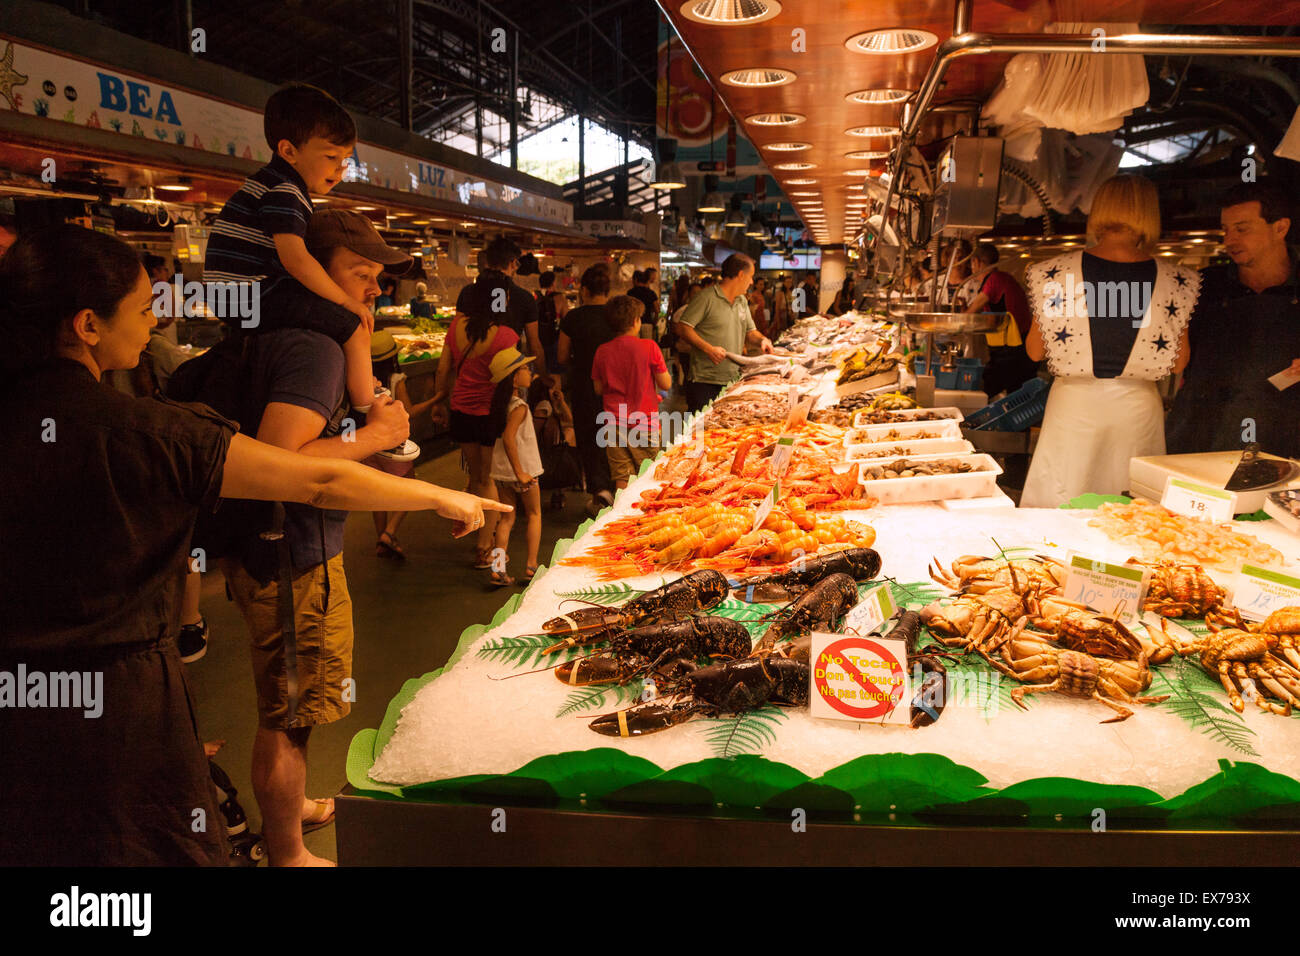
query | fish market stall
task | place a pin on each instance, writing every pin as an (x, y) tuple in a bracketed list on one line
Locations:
[(612, 708)]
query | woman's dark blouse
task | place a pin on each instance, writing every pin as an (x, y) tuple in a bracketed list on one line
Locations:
[(98, 498), (1123, 288)]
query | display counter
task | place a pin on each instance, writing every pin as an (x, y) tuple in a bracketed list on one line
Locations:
[(494, 738)]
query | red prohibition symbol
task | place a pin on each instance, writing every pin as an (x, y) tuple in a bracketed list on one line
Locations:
[(877, 708)]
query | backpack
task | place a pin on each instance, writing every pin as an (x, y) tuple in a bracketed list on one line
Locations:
[(220, 379)]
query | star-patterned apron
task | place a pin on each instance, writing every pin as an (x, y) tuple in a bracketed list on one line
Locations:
[(1093, 426)]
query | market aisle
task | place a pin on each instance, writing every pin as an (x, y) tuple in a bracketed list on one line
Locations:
[(407, 615)]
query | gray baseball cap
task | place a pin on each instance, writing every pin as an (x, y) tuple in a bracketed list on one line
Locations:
[(330, 228)]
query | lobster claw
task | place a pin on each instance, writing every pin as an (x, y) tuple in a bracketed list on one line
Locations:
[(602, 669), (644, 719), (584, 619)]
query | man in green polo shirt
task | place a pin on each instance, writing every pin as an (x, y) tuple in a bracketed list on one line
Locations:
[(717, 321)]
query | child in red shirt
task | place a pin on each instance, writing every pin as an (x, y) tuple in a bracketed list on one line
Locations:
[(626, 373)]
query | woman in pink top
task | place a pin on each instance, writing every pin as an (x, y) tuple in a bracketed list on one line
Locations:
[(463, 395), (625, 374)]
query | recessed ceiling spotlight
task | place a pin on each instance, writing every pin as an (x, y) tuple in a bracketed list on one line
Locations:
[(857, 172), (758, 76), (787, 147), (800, 182), (730, 12), (867, 154), (776, 119), (891, 40), (795, 166), (872, 131), (877, 97)]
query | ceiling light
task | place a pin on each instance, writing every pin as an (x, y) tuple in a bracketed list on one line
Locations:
[(795, 166), (867, 154), (421, 222), (893, 40), (668, 176), (712, 201), (800, 182), (758, 76), (467, 225), (735, 216), (365, 208), (857, 172), (730, 12), (872, 131), (804, 192), (788, 147), (182, 185), (877, 97), (776, 119)]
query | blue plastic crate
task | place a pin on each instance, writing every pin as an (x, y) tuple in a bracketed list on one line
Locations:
[(1022, 409), (970, 374)]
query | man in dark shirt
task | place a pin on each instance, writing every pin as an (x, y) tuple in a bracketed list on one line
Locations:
[(519, 311), (644, 284), (303, 677), (992, 290), (1245, 330)]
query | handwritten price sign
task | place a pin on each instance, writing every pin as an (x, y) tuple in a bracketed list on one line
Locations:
[(1106, 587), (1261, 591), (876, 607), (1198, 501)]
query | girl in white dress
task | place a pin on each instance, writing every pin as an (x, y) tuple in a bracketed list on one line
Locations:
[(1111, 321)]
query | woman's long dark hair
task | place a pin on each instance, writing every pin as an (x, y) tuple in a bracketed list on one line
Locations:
[(481, 308), (50, 275), (500, 409)]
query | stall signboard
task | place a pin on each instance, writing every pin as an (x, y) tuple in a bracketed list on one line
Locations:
[(1261, 591), (612, 228), (861, 679), (1198, 501), (875, 608), (68, 89), (1112, 589)]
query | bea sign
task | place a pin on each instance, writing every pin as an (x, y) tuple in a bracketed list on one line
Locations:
[(128, 96)]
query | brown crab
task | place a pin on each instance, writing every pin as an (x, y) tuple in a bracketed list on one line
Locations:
[(980, 622), (979, 574), (1076, 674), (1079, 629), (1182, 590)]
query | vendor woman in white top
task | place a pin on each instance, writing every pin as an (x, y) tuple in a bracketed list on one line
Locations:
[(1111, 321)]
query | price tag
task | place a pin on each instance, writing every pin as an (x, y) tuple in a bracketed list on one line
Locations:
[(876, 607), (781, 455), (1198, 501), (798, 410), (765, 508), (1106, 587), (1261, 591), (859, 679)]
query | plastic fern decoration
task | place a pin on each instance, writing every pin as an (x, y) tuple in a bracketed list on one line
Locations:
[(600, 695), (744, 733), (524, 651), (606, 594), (1202, 710)]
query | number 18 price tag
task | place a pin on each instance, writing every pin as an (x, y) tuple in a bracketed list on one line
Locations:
[(1198, 501), (1106, 587)]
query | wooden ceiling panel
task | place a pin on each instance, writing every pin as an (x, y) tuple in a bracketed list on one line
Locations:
[(827, 71)]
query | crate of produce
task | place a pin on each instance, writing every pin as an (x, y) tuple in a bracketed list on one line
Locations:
[(917, 448), (901, 415), (979, 481), (1022, 409)]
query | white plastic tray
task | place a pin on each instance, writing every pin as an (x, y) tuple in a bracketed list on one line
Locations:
[(972, 484), (921, 448), (907, 414), (944, 428)]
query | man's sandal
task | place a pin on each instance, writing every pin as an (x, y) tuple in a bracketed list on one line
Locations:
[(482, 559), (387, 547), (322, 815)]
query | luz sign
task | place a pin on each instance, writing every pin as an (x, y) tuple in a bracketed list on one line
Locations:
[(859, 679)]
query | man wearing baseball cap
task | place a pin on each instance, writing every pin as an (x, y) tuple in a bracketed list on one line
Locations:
[(302, 645), (501, 260)]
